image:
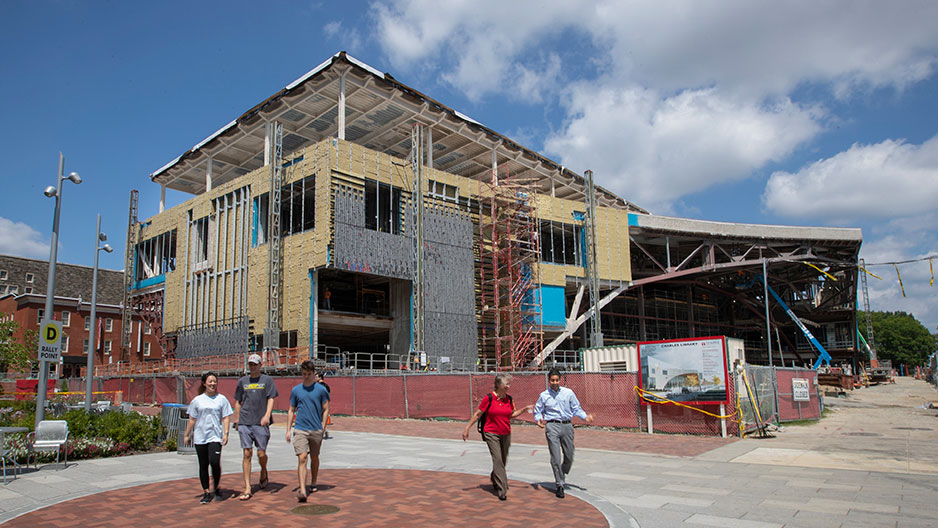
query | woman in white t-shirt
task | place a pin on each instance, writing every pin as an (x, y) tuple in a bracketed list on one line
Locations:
[(209, 415)]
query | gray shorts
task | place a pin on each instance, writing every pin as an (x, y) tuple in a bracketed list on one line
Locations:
[(252, 435)]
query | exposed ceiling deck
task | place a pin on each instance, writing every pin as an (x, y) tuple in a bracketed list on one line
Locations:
[(379, 114)]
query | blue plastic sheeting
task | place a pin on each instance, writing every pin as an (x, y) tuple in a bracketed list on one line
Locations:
[(633, 219), (254, 223)]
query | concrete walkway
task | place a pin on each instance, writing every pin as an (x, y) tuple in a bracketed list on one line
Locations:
[(783, 481)]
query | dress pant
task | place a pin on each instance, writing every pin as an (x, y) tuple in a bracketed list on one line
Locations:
[(560, 444), (498, 448)]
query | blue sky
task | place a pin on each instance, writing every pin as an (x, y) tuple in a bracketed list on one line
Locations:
[(763, 112)]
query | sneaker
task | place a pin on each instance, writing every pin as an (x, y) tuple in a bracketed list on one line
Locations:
[(206, 498), (559, 492)]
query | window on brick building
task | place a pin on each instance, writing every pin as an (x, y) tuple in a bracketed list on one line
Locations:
[(66, 319), (107, 346), (29, 278), (39, 313), (84, 346), (146, 349), (64, 344), (88, 323), (108, 325)]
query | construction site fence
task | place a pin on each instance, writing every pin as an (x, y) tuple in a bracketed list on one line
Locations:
[(287, 360), (388, 392), (771, 391), (611, 398)]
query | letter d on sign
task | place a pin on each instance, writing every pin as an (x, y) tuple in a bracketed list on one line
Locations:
[(52, 333)]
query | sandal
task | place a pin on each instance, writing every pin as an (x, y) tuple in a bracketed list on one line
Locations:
[(263, 482), (244, 496), (300, 496)]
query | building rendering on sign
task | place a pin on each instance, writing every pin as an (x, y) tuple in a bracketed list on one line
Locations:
[(351, 213)]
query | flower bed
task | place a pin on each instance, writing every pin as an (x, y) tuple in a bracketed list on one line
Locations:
[(91, 435)]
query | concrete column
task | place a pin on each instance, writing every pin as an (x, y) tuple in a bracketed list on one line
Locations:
[(429, 147), (313, 312), (162, 197), (267, 142), (341, 119), (208, 174)]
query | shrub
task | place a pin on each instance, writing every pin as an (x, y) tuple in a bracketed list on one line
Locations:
[(90, 434), (139, 431)]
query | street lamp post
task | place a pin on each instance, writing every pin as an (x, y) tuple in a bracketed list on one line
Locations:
[(89, 375), (51, 192)]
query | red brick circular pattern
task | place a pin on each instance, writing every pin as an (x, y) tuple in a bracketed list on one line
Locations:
[(366, 497)]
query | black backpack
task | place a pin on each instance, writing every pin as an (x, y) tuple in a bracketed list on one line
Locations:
[(481, 423)]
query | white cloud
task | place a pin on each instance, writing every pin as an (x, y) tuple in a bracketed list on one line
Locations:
[(474, 51), (688, 94), (744, 46), (17, 238), (885, 180), (348, 39), (655, 149)]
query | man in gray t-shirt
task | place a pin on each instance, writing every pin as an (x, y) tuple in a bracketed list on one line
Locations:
[(254, 402)]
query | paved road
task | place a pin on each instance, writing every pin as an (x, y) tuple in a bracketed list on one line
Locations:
[(749, 483)]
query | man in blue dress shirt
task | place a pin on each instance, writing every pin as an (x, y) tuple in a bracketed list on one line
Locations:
[(553, 411)]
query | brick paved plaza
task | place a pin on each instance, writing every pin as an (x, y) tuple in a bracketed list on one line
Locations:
[(419, 473)]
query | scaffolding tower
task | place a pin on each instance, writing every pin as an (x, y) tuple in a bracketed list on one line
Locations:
[(274, 248), (417, 300), (509, 251), (129, 268)]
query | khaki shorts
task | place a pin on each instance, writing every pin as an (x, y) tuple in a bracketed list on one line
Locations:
[(307, 441)]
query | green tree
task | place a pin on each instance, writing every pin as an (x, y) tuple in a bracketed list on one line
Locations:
[(900, 337), (16, 354)]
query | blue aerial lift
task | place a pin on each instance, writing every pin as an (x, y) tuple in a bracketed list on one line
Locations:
[(823, 356)]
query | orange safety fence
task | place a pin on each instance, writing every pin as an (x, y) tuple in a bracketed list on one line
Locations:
[(277, 359)]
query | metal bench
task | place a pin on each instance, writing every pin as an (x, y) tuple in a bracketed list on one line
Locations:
[(50, 435)]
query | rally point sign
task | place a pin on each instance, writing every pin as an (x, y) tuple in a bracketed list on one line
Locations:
[(50, 341)]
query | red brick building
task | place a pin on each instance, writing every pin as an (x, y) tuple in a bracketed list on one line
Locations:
[(22, 297)]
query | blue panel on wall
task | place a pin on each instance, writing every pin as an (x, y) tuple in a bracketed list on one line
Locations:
[(633, 219), (159, 279), (553, 305)]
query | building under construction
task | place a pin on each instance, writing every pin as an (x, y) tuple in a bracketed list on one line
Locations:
[(351, 213)]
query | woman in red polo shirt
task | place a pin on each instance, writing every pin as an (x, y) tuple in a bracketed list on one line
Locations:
[(499, 409)]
